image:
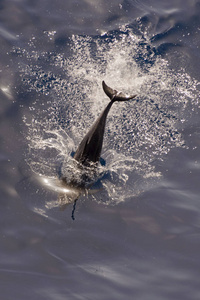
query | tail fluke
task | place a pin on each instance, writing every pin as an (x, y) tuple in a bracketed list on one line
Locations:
[(115, 95)]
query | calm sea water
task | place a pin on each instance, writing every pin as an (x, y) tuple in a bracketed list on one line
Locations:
[(136, 235)]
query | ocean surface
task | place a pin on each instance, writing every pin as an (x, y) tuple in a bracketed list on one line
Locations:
[(135, 234)]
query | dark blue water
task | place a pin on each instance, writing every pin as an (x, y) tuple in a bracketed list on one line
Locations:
[(136, 234)]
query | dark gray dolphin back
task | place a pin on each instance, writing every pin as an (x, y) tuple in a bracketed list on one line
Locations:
[(90, 147)]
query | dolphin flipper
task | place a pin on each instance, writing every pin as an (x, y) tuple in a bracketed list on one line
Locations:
[(115, 95)]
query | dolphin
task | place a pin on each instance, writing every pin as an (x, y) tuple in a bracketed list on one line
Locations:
[(89, 150)]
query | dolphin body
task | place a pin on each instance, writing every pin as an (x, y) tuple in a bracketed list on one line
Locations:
[(89, 150)]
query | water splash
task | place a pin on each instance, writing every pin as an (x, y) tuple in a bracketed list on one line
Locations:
[(138, 133)]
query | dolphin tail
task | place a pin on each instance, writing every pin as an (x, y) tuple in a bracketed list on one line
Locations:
[(115, 95)]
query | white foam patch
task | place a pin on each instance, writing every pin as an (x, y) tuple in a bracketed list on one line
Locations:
[(138, 132)]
